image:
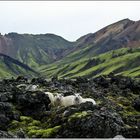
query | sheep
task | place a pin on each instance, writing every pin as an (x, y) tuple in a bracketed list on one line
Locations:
[(31, 87), (60, 100), (75, 99), (68, 100), (88, 100), (51, 97), (79, 99)]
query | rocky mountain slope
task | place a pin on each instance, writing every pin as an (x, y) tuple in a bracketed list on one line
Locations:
[(114, 48), (124, 33), (123, 61), (11, 67), (91, 55), (27, 114), (34, 50)]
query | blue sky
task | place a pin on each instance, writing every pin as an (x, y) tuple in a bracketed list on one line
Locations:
[(69, 19)]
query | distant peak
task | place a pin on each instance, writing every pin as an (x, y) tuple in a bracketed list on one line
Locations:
[(127, 19), (124, 21)]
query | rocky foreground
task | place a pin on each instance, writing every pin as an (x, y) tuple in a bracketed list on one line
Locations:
[(27, 114)]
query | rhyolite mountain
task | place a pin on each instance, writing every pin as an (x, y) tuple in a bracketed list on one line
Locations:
[(125, 33), (111, 49), (114, 48)]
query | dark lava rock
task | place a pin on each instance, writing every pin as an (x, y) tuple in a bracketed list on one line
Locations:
[(6, 96), (113, 95), (33, 103), (135, 87), (21, 134), (21, 79), (132, 132), (99, 124), (136, 104), (4, 134), (102, 81), (39, 80), (7, 114), (88, 106)]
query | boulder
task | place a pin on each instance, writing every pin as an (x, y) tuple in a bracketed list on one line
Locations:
[(92, 124), (7, 114), (136, 104), (33, 103), (4, 134)]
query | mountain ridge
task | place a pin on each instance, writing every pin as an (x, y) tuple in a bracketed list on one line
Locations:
[(41, 51)]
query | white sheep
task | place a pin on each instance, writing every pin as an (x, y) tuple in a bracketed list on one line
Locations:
[(51, 97), (79, 99), (60, 100), (31, 87), (75, 99), (68, 100)]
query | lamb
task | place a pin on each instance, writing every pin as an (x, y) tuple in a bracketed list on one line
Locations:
[(51, 97), (79, 99)]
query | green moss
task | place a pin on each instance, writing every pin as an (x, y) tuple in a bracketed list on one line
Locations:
[(78, 115), (44, 133), (14, 124), (26, 123), (26, 119), (32, 128), (35, 123)]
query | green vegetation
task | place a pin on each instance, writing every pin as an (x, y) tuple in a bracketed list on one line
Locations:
[(123, 61), (37, 50), (32, 128), (12, 68), (44, 133), (78, 115)]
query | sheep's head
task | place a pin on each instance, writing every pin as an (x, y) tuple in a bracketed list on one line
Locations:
[(58, 97), (77, 98)]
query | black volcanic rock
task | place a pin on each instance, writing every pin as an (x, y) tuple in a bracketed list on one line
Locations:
[(96, 124), (7, 114), (136, 104), (27, 114), (4, 134), (32, 103)]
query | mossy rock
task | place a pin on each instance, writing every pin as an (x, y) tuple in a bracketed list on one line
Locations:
[(34, 123), (26, 119), (14, 124), (78, 115), (44, 133), (25, 123)]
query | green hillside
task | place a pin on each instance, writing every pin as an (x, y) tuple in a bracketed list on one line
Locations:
[(10, 67), (123, 61), (37, 50), (100, 53)]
